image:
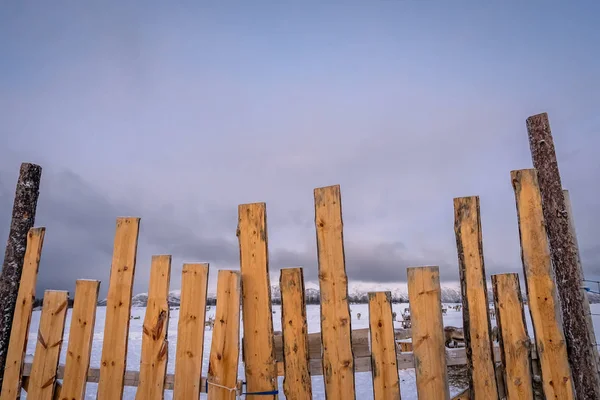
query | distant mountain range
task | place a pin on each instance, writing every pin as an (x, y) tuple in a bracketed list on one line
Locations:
[(312, 296)]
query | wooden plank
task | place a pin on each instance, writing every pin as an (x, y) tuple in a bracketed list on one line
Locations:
[(541, 288), (297, 384), (11, 385), (118, 310), (455, 356), (586, 303), (155, 346), (360, 344), (386, 384), (49, 343), (476, 321), (563, 253), (424, 295), (132, 378), (464, 395), (259, 352), (336, 329), (512, 336), (81, 336), (225, 345), (190, 332), (57, 388)]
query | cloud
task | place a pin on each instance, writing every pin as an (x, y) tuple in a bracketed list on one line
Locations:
[(178, 115)]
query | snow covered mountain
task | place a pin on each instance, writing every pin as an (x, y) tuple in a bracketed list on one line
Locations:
[(356, 294)]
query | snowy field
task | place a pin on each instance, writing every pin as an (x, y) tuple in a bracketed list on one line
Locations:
[(364, 388)]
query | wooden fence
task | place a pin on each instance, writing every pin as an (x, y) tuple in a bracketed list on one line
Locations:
[(508, 370)]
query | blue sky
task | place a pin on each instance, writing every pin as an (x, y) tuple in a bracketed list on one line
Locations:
[(178, 113)]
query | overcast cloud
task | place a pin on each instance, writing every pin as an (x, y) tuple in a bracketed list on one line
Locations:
[(178, 113)]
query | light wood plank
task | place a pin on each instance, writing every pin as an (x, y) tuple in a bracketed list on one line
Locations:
[(336, 330), (155, 346), (118, 310), (225, 345), (361, 364), (541, 288), (57, 388), (81, 336), (259, 352), (386, 384), (15, 357), (424, 296), (297, 384), (49, 343), (476, 321), (512, 336), (132, 378), (360, 344), (190, 332)]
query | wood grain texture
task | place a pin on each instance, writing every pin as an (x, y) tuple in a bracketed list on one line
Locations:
[(259, 353), (49, 343), (23, 219), (360, 344), (513, 337), (541, 288), (297, 384), (225, 345), (57, 388), (476, 321), (11, 385), (564, 256), (586, 302), (336, 330), (190, 332), (424, 295), (81, 335), (155, 346), (118, 310), (132, 378), (384, 369)]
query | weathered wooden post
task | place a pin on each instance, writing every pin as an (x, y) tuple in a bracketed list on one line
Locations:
[(476, 319), (586, 302), (569, 278), (336, 323), (23, 218), (541, 285)]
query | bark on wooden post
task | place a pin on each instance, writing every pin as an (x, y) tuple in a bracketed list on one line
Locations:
[(23, 218), (586, 302), (569, 279)]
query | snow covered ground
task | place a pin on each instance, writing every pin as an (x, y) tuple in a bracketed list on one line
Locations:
[(364, 388)]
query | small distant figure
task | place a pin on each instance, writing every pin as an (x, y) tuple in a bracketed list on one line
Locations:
[(210, 323), (493, 313), (453, 336), (358, 316), (394, 315), (495, 334), (406, 318), (444, 310)]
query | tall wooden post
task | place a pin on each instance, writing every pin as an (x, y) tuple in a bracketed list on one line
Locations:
[(23, 218), (476, 319), (563, 251), (586, 302)]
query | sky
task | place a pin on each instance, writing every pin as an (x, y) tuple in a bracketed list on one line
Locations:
[(179, 112)]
